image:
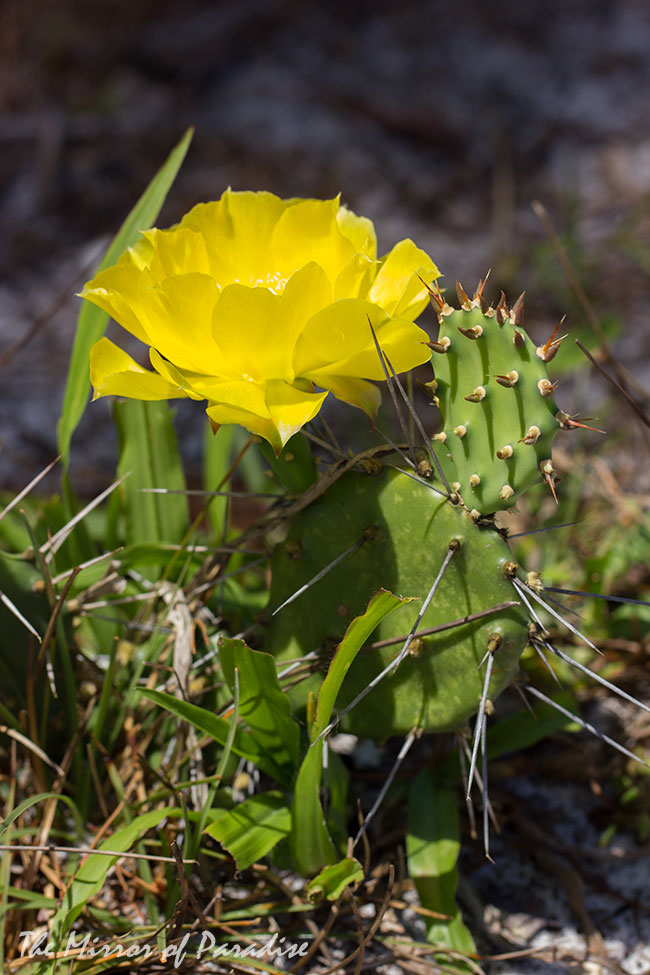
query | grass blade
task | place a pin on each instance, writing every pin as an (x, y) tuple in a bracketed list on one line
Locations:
[(92, 321)]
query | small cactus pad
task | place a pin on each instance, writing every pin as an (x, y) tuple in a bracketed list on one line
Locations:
[(496, 402), (407, 530)]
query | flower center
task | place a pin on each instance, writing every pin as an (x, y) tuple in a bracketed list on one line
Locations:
[(274, 282)]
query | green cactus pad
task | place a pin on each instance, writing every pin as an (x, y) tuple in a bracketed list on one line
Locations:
[(408, 529), (497, 405)]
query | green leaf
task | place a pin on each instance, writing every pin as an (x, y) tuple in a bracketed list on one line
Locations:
[(32, 801), (218, 729), (432, 848), (332, 880), (262, 703), (92, 321), (90, 876), (250, 830), (381, 604), (149, 453), (311, 843)]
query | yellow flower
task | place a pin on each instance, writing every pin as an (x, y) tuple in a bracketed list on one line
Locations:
[(252, 302)]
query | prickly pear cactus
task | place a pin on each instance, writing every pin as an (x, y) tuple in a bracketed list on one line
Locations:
[(500, 418), (496, 401), (404, 531)]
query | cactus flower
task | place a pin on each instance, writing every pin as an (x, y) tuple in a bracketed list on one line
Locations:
[(261, 306)]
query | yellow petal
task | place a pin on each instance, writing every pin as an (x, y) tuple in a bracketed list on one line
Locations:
[(355, 278), (237, 230), (257, 330), (359, 230), (177, 251), (356, 392), (291, 408), (139, 254), (397, 287), (275, 411), (338, 341), (114, 373), (177, 318), (221, 414), (116, 290), (240, 394), (309, 231), (183, 381)]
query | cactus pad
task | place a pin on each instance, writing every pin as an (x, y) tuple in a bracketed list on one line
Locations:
[(496, 402), (404, 530)]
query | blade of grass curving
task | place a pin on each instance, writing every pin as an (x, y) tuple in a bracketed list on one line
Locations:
[(394, 664), (30, 746), (218, 729), (89, 878), (92, 321), (311, 843), (382, 603)]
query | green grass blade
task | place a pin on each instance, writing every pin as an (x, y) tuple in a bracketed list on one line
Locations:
[(432, 848), (251, 830), (90, 876), (216, 461), (32, 801), (311, 843), (92, 321), (149, 452), (218, 729), (381, 604)]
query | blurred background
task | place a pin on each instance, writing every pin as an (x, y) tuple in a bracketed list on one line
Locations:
[(440, 120)]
